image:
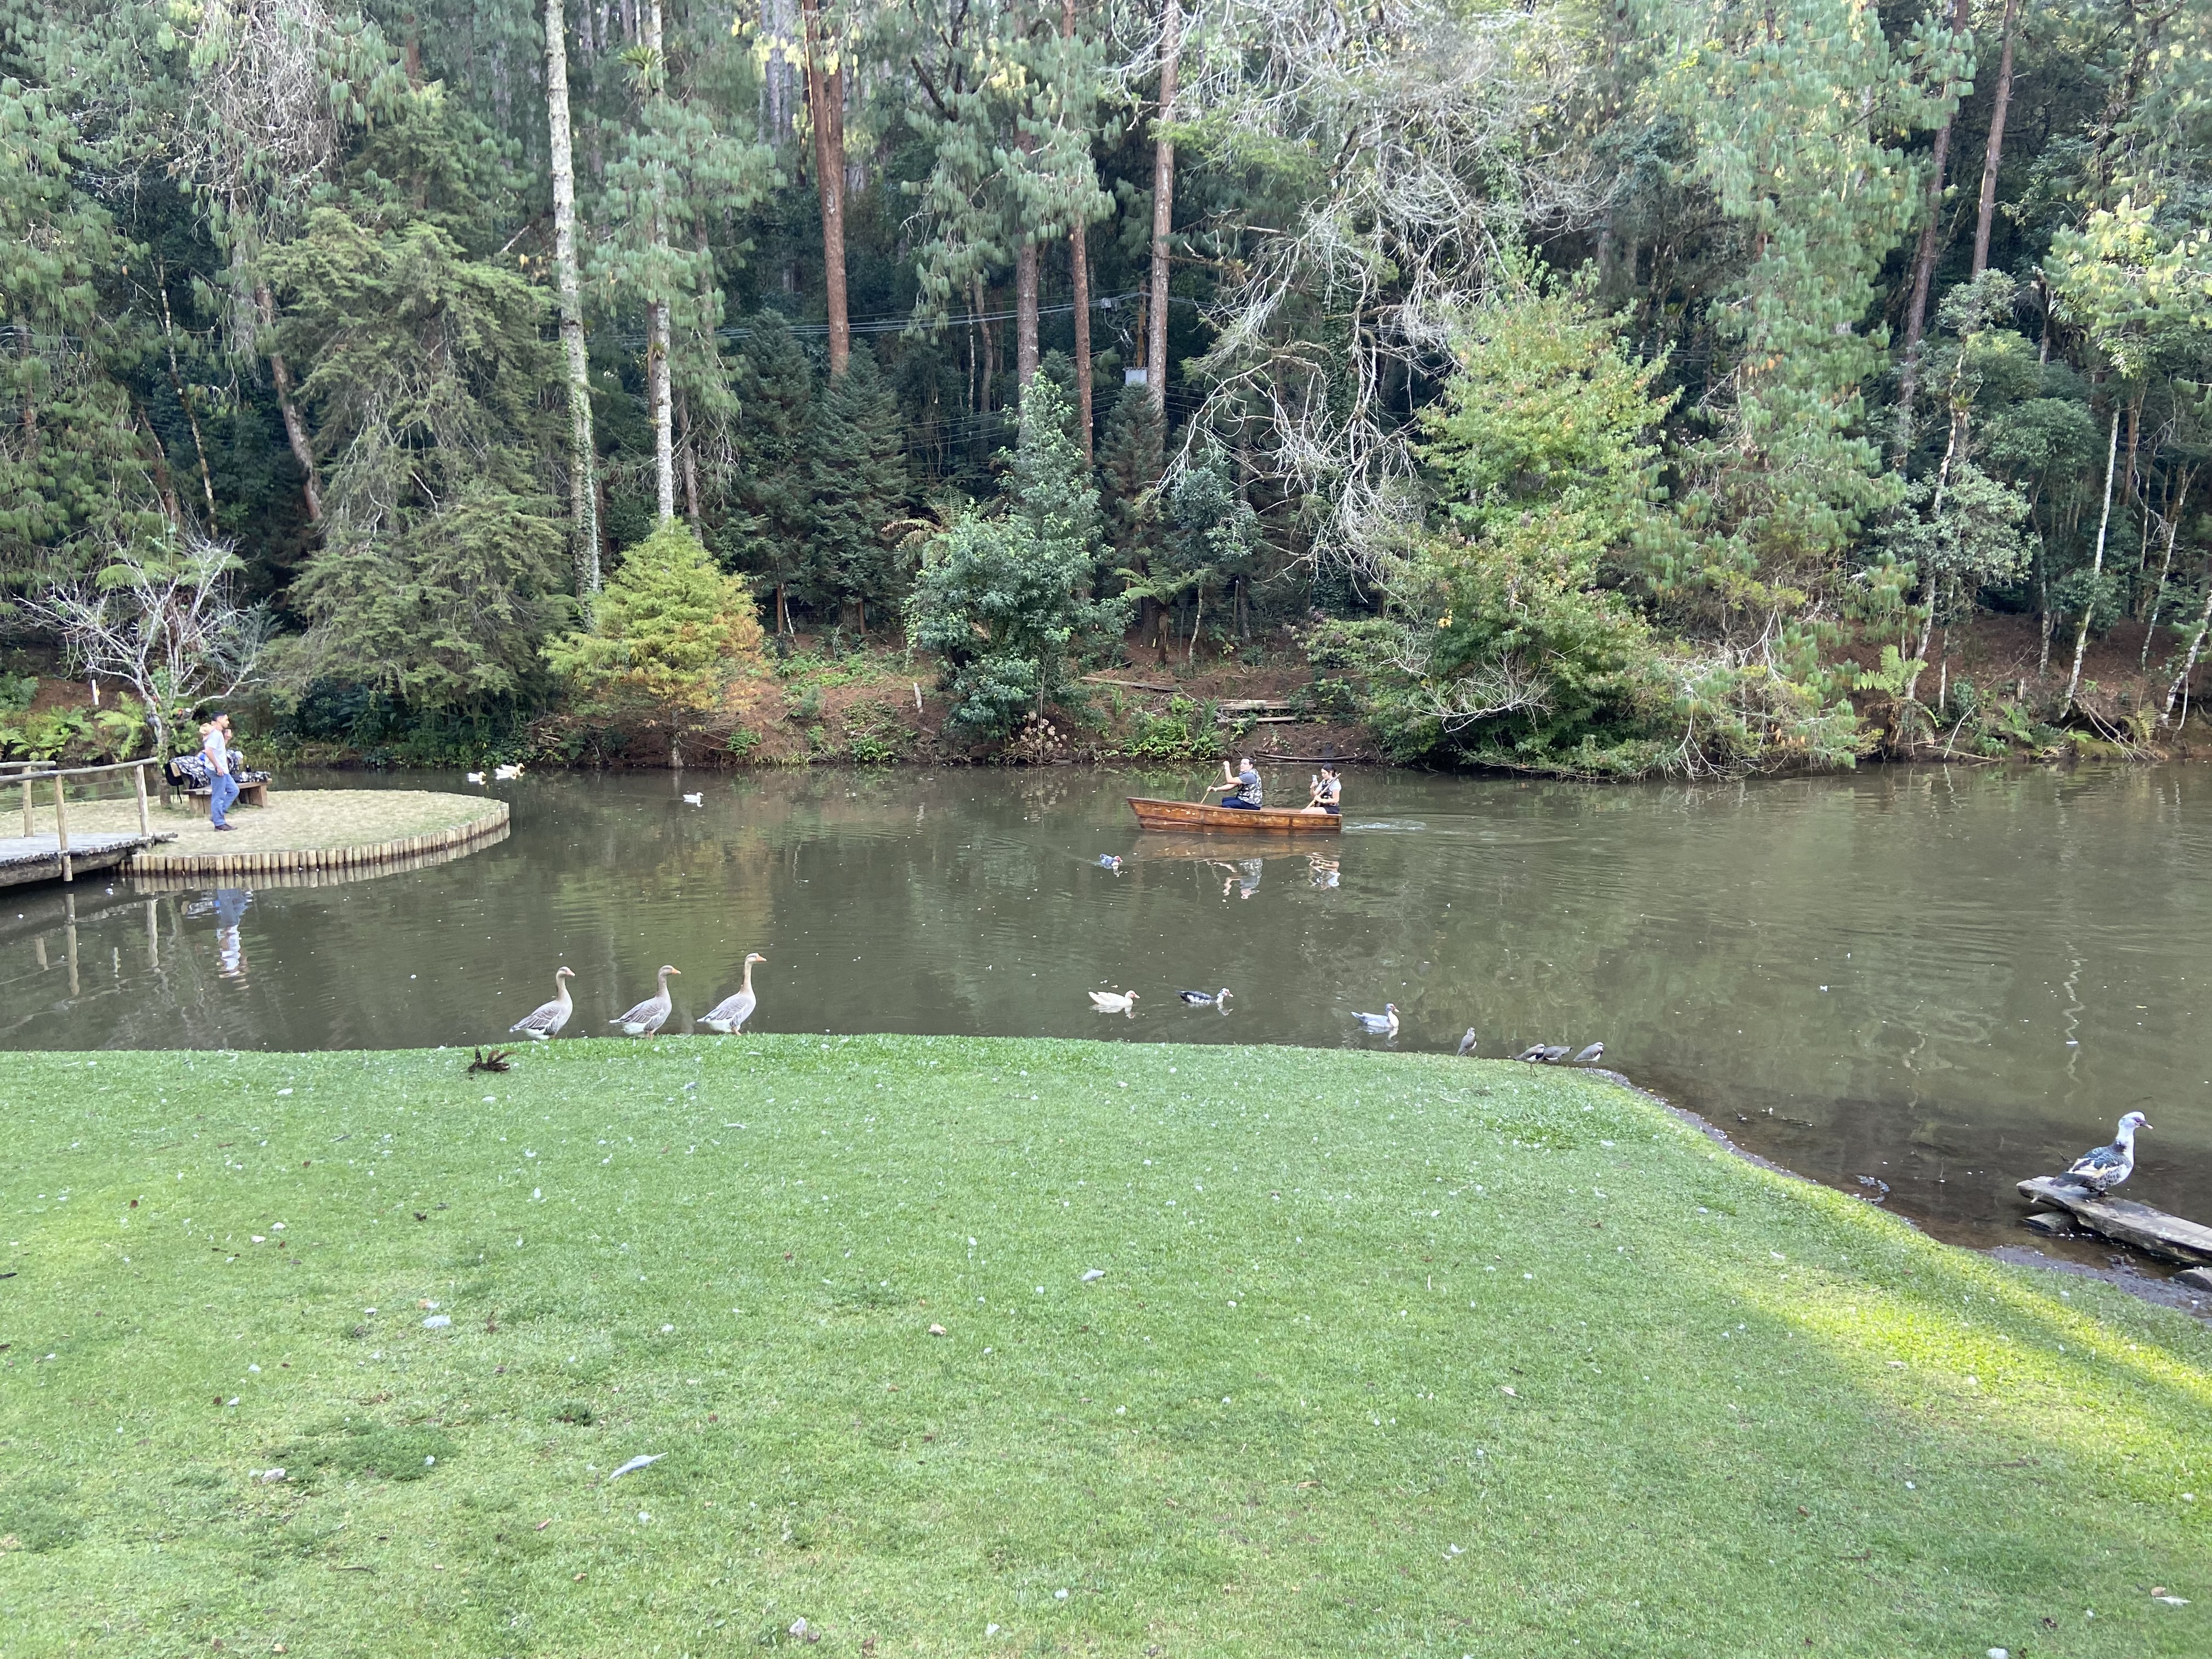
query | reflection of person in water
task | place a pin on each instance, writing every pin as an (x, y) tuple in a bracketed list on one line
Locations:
[(1244, 877), (1324, 870), (230, 906)]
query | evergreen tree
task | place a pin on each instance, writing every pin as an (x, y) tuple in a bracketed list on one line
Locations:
[(436, 579), (771, 521), (1002, 598), (857, 480), (1129, 464), (670, 635)]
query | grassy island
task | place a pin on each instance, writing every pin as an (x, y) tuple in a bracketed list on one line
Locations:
[(994, 1347)]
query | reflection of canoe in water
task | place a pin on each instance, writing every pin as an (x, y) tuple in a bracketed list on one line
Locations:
[(1195, 815)]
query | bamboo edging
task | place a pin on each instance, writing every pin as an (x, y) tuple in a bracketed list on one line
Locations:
[(298, 859)]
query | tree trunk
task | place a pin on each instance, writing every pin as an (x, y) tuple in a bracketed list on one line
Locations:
[(1025, 313), (656, 312), (177, 381), (1078, 278), (583, 494), (1993, 152), (825, 98), (2176, 505), (2096, 568), (1924, 266), (2173, 692), (1156, 363), (296, 430), (690, 462)]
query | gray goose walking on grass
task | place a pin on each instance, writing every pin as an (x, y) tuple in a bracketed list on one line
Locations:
[(729, 1014), (650, 1015), (546, 1019), (2108, 1166)]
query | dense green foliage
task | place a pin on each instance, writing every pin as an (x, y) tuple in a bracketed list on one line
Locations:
[(288, 279), (1388, 1354)]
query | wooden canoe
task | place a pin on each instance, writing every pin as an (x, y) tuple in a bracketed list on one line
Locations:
[(1194, 815)]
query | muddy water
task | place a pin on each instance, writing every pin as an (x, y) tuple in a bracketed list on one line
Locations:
[(1937, 980)]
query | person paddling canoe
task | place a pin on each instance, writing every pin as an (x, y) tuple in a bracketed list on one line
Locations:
[(1328, 793), (1243, 787)]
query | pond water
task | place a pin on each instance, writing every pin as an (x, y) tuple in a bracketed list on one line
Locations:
[(1940, 980)]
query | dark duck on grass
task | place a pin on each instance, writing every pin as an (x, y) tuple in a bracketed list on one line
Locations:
[(2108, 1166)]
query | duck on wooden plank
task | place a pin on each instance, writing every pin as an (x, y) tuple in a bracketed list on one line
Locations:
[(650, 1015), (546, 1020), (2106, 1167)]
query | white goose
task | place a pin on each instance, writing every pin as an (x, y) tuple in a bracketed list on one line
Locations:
[(729, 1014), (652, 1014), (1382, 1024), (547, 1019), (2108, 1166), (506, 774), (1113, 1002)]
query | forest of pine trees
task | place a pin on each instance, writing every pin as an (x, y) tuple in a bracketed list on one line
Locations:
[(1608, 387)]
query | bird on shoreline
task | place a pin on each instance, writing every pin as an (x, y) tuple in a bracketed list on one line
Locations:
[(729, 1014), (1208, 999), (652, 1014), (1113, 1002), (1543, 1053), (1467, 1043), (1589, 1056), (2108, 1166), (1382, 1024), (546, 1019)]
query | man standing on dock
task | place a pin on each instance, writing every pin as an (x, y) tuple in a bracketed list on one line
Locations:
[(223, 788)]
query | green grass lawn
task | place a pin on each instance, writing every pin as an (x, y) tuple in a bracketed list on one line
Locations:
[(1390, 1354), (294, 820)]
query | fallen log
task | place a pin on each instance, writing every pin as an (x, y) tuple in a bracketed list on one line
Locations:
[(2170, 1237)]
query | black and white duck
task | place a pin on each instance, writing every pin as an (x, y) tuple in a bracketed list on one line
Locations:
[(1382, 1024), (650, 1015), (1208, 998), (546, 1019), (729, 1014), (2108, 1166)]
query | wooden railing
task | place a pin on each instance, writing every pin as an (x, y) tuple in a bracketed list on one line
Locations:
[(58, 776)]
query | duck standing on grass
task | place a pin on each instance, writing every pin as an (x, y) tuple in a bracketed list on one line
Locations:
[(729, 1014), (650, 1015), (2108, 1166), (546, 1019)]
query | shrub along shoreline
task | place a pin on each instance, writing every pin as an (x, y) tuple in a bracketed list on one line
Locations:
[(1386, 1353)]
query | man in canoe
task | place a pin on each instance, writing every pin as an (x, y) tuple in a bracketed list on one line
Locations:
[(1244, 787)]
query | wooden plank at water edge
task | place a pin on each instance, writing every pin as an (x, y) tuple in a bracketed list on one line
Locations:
[(1199, 815), (2153, 1231)]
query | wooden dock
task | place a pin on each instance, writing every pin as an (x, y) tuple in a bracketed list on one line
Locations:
[(40, 858), (2169, 1237)]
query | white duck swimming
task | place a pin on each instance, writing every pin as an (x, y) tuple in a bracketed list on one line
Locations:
[(546, 1020), (506, 774), (2108, 1166), (1382, 1024), (650, 1015), (1114, 1002), (729, 1014), (475, 777)]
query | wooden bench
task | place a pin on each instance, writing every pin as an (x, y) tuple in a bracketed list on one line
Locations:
[(249, 794)]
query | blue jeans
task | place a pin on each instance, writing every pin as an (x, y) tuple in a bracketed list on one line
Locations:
[(220, 799), (1239, 802)]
